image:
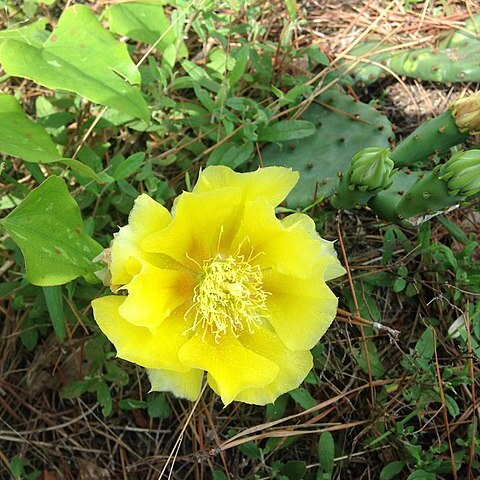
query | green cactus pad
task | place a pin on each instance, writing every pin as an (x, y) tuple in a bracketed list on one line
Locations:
[(370, 62), (385, 203), (428, 195), (449, 65), (436, 135), (456, 60), (344, 126), (463, 37)]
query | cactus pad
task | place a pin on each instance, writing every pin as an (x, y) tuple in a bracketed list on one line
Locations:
[(385, 203), (344, 126)]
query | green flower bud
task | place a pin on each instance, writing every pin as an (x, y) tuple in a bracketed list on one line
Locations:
[(462, 173), (466, 113), (371, 170)]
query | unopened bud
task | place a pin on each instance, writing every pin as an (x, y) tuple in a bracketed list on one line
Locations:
[(462, 173), (371, 169), (466, 112)]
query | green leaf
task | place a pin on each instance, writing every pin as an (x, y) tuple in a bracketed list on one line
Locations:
[(218, 475), (29, 334), (326, 452), (455, 231), (303, 397), (241, 61), (231, 154), (21, 137), (421, 475), (82, 57), (85, 170), (116, 374), (131, 404), (48, 228), (158, 406), (391, 470), (251, 450), (75, 389), (104, 398), (54, 300), (388, 245), (276, 410), (425, 345), (287, 130), (129, 166), (376, 367), (294, 470), (452, 405), (144, 22), (16, 466), (33, 34)]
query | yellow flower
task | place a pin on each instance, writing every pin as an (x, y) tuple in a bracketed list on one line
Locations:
[(221, 286)]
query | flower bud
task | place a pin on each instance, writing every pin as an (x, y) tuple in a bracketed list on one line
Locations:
[(466, 112), (371, 169), (462, 173)]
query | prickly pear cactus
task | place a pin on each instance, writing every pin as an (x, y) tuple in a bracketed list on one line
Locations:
[(385, 203), (456, 60), (344, 126), (463, 37), (439, 134), (369, 173), (449, 65), (421, 194), (370, 62)]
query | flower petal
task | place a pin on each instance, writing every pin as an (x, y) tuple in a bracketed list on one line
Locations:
[(182, 384), (271, 183), (300, 310), (325, 248), (149, 348), (233, 367), (146, 217), (289, 250), (293, 367), (154, 293), (201, 222)]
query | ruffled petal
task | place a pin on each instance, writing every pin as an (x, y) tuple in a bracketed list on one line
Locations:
[(289, 250), (300, 310), (182, 384), (293, 367), (201, 224), (325, 249), (149, 348), (146, 217), (232, 366), (154, 293), (271, 183)]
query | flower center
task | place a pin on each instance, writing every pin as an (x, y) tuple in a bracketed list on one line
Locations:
[(229, 297)]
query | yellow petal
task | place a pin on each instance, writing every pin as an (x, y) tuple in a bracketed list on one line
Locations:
[(149, 348), (233, 367), (289, 250), (325, 249), (201, 223), (293, 367), (146, 217), (154, 293), (182, 384), (271, 183), (300, 310)]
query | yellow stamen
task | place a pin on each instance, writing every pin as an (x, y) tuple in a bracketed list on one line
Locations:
[(229, 297)]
